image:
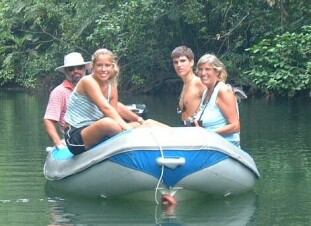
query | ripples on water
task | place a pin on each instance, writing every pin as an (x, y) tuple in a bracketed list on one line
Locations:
[(275, 133), (212, 211)]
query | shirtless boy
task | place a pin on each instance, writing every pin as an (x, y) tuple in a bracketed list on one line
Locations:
[(193, 89)]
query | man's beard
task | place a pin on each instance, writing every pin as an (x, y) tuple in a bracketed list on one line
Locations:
[(74, 79)]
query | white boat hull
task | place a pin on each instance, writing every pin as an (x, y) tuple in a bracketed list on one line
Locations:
[(98, 173)]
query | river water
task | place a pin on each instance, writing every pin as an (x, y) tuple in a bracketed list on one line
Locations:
[(275, 132)]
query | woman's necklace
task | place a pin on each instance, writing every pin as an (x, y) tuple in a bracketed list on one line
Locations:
[(182, 95)]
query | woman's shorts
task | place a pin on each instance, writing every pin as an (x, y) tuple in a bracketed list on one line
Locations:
[(74, 140)]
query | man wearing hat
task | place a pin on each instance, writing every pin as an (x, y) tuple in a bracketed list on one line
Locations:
[(74, 68)]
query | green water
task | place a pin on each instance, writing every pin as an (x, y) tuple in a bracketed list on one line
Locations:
[(275, 133)]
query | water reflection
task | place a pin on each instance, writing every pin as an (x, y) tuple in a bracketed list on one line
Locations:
[(239, 210), (275, 133)]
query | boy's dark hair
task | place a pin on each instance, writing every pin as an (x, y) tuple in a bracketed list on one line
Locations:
[(182, 51)]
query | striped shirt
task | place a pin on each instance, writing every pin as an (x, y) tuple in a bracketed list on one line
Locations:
[(58, 102), (82, 111)]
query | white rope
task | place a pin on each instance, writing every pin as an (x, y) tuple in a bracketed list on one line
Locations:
[(162, 168)]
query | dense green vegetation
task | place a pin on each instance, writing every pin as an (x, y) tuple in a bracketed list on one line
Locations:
[(265, 44), (282, 64)]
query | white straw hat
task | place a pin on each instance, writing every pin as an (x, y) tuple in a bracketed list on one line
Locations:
[(73, 59)]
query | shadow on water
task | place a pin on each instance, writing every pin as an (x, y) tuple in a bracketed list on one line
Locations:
[(69, 210)]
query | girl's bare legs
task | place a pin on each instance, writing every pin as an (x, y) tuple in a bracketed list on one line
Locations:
[(104, 127), (134, 124), (152, 123), (99, 130)]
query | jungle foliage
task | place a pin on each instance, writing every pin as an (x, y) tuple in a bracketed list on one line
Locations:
[(36, 34), (283, 64)]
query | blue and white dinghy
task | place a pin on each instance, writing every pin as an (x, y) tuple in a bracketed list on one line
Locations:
[(180, 161)]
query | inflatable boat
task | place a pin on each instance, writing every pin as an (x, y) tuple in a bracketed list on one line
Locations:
[(179, 161)]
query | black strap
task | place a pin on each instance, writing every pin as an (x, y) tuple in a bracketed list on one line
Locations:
[(207, 100)]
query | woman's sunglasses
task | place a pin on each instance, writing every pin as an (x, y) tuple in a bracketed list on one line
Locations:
[(72, 68)]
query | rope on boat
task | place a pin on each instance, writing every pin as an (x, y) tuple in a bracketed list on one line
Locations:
[(162, 168)]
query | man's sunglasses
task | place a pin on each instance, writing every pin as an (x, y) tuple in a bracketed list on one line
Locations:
[(72, 68)]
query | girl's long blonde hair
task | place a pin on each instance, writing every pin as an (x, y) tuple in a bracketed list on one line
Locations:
[(115, 77)]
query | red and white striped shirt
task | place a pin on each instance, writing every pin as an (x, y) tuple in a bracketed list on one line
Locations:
[(58, 102)]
